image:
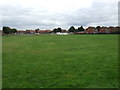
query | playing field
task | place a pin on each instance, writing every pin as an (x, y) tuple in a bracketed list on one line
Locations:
[(56, 61)]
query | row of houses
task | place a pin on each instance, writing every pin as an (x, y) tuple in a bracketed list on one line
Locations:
[(33, 32), (89, 30), (93, 30)]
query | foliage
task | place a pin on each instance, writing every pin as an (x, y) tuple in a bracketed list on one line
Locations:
[(57, 30), (80, 29), (72, 29), (13, 30), (36, 30), (98, 28), (8, 30)]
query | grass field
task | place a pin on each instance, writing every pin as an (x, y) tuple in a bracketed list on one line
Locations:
[(53, 61)]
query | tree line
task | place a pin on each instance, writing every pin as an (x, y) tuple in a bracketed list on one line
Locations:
[(71, 29), (8, 30)]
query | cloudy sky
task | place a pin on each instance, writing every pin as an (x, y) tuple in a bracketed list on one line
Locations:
[(49, 14)]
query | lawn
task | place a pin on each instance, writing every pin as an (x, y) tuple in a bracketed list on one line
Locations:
[(58, 61)]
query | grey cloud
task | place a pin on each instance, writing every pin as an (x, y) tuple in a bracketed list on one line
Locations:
[(100, 13)]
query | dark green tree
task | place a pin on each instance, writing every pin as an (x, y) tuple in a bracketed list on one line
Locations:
[(59, 30), (6, 30), (13, 30), (98, 28), (72, 29), (36, 30), (80, 29), (55, 30)]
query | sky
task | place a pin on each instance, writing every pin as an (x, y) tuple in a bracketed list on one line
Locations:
[(50, 14)]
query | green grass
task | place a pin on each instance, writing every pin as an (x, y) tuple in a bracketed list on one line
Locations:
[(53, 61)]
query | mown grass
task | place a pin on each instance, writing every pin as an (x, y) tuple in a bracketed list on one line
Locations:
[(53, 61)]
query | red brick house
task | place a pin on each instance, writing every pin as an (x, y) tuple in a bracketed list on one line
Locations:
[(30, 31), (21, 32), (118, 29), (44, 31), (91, 30), (104, 30), (111, 29), (80, 32), (64, 31), (114, 29)]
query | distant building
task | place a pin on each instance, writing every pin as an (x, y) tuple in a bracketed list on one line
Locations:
[(91, 30), (118, 29), (61, 33), (104, 30), (38, 31), (64, 31), (30, 31), (82, 32), (112, 29), (21, 32), (44, 31)]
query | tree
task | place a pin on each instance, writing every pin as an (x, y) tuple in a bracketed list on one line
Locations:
[(57, 30), (98, 28), (71, 29), (13, 30), (36, 30), (6, 30), (80, 29)]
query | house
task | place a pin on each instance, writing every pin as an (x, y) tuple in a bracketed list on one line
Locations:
[(21, 32), (114, 29), (44, 31), (64, 31), (91, 30), (82, 32), (118, 28), (30, 31), (104, 30)]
